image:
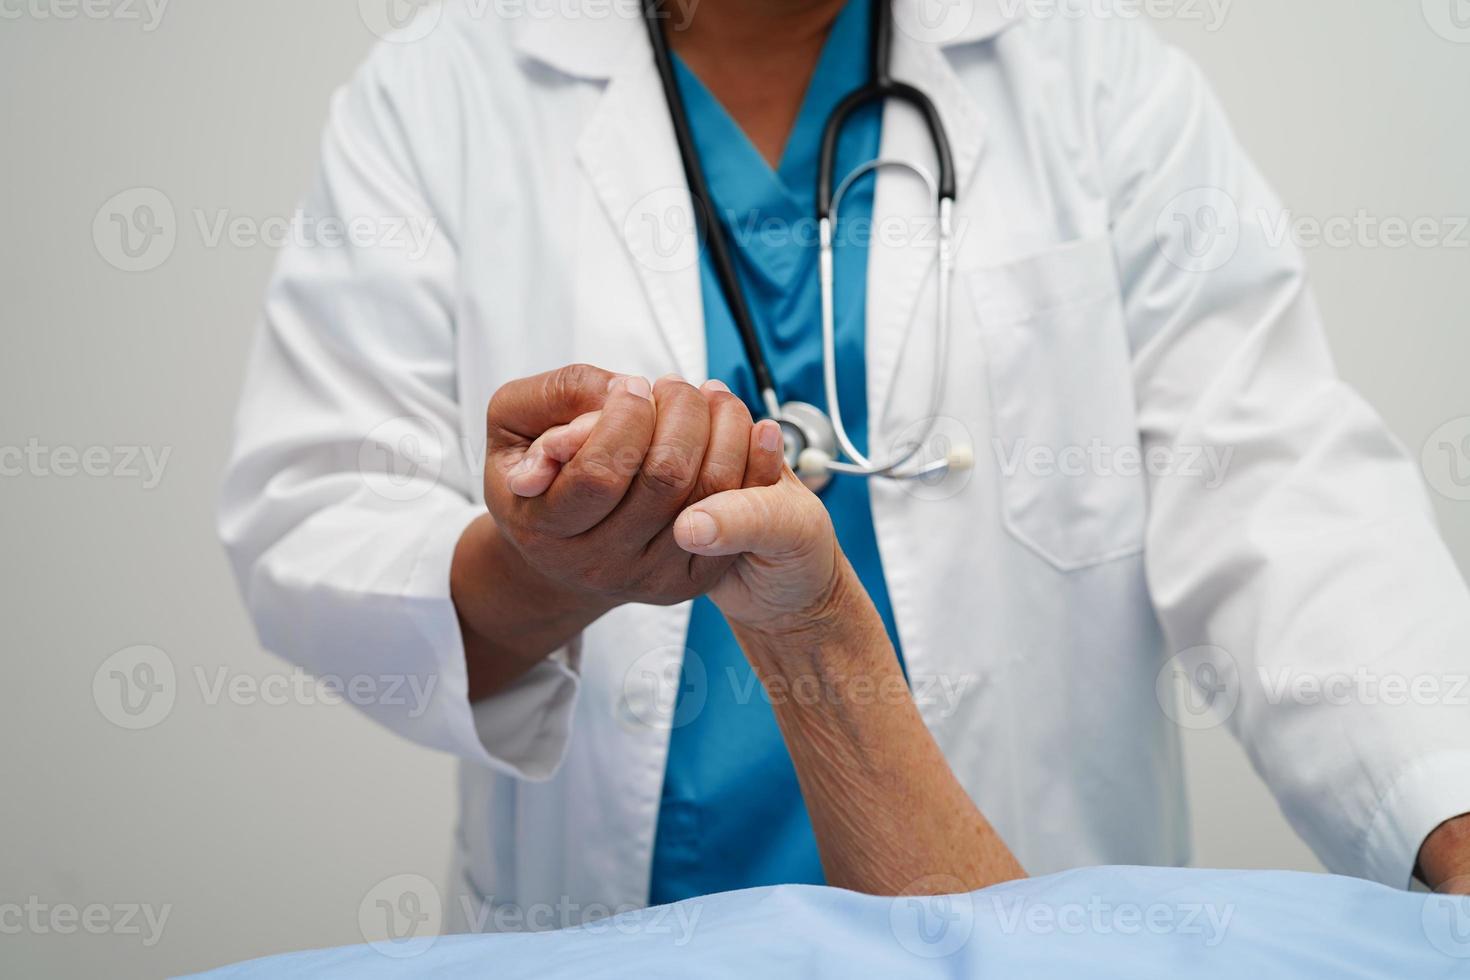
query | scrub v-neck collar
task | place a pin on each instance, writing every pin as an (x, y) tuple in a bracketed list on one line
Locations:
[(766, 210)]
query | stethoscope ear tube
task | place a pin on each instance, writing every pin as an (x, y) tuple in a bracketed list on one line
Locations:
[(881, 92), (815, 439)]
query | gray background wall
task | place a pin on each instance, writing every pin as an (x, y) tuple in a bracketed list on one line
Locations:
[(261, 826)]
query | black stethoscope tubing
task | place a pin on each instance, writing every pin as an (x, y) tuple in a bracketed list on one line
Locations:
[(879, 88)]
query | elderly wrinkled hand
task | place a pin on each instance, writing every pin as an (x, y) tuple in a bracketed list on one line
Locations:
[(789, 565)]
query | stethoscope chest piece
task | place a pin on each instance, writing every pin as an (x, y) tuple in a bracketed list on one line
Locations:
[(810, 443)]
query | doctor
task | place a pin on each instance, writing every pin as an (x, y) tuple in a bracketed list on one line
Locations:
[(1111, 306)]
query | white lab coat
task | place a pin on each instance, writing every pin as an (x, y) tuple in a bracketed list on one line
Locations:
[(1039, 606)]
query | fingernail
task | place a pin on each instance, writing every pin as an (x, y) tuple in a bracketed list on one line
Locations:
[(769, 436), (526, 465), (715, 384), (639, 386), (614, 381), (522, 472), (699, 528)]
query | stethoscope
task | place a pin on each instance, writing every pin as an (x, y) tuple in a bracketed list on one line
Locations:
[(817, 445)]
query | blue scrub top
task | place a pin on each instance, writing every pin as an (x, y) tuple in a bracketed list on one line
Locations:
[(732, 815)]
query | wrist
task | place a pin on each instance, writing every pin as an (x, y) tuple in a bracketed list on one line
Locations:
[(815, 613), (1444, 858), (489, 575), (837, 624)]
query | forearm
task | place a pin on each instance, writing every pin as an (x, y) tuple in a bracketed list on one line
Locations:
[(510, 615), (887, 811)]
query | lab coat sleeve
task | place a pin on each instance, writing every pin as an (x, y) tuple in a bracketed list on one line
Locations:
[(352, 476), (1311, 579)]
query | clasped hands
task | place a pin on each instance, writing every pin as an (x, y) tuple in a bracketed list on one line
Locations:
[(621, 490)]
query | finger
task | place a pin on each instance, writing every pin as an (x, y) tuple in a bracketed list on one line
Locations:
[(591, 484), (565, 441), (675, 457), (775, 521), (521, 410), (729, 442), (765, 459), (543, 461)]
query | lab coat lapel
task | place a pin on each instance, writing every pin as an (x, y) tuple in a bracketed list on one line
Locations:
[(902, 251), (631, 159)]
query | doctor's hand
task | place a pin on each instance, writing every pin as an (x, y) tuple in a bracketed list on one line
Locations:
[(587, 470)]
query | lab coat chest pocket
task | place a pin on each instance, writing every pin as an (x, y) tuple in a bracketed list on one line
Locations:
[(1064, 422)]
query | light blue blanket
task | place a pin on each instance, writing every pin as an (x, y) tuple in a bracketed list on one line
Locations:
[(1128, 923)]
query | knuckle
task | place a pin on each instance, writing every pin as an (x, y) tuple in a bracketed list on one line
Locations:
[(574, 377), (722, 467), (593, 479), (667, 470), (729, 402), (565, 384), (496, 407)]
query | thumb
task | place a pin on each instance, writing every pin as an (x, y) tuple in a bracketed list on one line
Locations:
[(773, 521)]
